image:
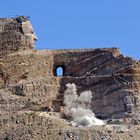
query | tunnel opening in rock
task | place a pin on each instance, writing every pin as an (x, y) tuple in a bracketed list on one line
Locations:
[(59, 71)]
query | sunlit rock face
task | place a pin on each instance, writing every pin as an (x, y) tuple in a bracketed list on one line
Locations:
[(28, 31), (16, 34), (32, 92)]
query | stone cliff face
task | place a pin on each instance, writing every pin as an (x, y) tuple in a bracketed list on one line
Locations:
[(29, 84)]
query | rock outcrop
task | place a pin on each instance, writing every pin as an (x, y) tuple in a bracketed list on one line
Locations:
[(31, 92)]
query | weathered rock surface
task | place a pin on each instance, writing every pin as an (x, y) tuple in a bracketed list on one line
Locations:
[(31, 93)]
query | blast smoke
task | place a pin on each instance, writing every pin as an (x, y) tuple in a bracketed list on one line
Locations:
[(78, 107)]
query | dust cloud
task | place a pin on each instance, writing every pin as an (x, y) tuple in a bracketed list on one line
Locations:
[(77, 107)]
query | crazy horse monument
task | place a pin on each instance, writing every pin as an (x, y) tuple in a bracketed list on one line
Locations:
[(32, 93)]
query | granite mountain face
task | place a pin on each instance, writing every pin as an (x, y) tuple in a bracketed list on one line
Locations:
[(32, 93)]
